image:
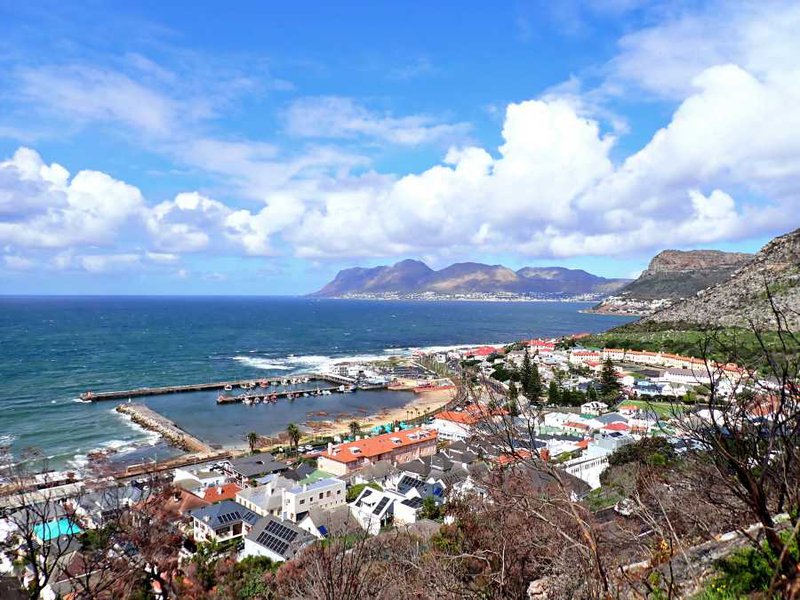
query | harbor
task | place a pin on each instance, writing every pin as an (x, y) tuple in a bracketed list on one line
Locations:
[(243, 384)]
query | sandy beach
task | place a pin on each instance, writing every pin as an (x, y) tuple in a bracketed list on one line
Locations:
[(423, 402)]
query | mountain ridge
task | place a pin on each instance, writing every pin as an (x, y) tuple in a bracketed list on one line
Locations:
[(742, 299), (415, 277), (671, 276)]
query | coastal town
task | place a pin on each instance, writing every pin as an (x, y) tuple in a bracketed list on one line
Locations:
[(548, 404)]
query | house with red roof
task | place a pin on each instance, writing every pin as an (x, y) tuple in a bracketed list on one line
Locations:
[(396, 447), (454, 425), (219, 493)]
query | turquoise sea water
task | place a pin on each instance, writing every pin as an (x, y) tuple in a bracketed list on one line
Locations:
[(52, 349)]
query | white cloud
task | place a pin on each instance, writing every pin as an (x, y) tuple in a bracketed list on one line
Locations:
[(192, 222), (553, 190), (42, 207), (18, 263), (89, 94), (338, 117), (761, 37)]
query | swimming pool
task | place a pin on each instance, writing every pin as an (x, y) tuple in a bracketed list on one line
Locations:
[(55, 529)]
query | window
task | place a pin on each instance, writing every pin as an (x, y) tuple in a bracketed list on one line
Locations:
[(303, 501), (320, 495), (327, 495)]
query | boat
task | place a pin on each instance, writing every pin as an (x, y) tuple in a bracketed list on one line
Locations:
[(228, 387)]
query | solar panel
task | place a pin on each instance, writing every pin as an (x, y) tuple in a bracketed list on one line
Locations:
[(230, 517), (280, 531), (384, 501), (411, 481), (413, 502)]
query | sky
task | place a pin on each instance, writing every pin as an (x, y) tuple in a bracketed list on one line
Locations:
[(259, 147)]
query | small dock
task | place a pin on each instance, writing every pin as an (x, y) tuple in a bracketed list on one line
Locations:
[(244, 384), (151, 420), (267, 397)]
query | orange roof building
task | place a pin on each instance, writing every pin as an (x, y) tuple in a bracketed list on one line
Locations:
[(218, 493), (397, 447)]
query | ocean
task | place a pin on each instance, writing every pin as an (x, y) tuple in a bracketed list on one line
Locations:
[(54, 348)]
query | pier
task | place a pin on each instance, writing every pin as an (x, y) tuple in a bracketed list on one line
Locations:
[(218, 385), (268, 397), (151, 420)]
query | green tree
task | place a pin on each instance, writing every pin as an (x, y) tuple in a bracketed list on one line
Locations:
[(526, 372), (534, 389), (609, 383), (355, 429), (591, 393), (252, 440), (294, 435), (513, 393), (430, 510), (354, 490), (553, 395), (513, 408)]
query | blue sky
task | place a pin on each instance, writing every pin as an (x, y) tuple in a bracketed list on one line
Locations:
[(257, 148)]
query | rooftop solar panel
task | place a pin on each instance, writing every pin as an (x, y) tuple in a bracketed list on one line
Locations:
[(377, 510)]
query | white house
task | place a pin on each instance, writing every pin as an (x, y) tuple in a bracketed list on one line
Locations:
[(277, 540), (594, 408), (222, 521), (199, 477), (266, 499), (325, 493), (686, 376), (374, 509)]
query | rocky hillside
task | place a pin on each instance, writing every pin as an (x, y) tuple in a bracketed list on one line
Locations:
[(410, 277), (672, 276), (742, 298)]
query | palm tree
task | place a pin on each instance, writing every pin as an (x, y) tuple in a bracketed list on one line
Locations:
[(252, 440), (355, 429), (294, 435)]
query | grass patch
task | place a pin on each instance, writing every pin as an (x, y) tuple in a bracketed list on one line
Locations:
[(745, 572), (664, 410)]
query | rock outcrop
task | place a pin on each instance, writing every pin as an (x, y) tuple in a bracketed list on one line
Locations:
[(672, 276), (742, 299)]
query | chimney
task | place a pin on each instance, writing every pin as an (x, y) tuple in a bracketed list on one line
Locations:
[(330, 447), (305, 487)]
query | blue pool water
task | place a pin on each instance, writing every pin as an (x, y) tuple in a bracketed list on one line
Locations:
[(55, 529)]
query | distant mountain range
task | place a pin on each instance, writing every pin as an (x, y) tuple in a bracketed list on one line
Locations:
[(409, 277)]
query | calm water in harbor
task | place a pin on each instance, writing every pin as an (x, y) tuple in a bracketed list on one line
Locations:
[(52, 349)]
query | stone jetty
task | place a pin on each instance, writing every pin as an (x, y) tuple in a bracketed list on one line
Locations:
[(151, 420)]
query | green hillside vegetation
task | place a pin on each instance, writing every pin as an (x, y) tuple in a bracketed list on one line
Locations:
[(738, 345)]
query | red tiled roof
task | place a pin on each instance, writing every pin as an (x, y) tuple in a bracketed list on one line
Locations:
[(576, 425), (471, 415), (220, 493), (617, 426), (380, 444), (482, 351), (508, 458)]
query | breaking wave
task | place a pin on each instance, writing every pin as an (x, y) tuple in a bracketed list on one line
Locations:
[(313, 362)]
